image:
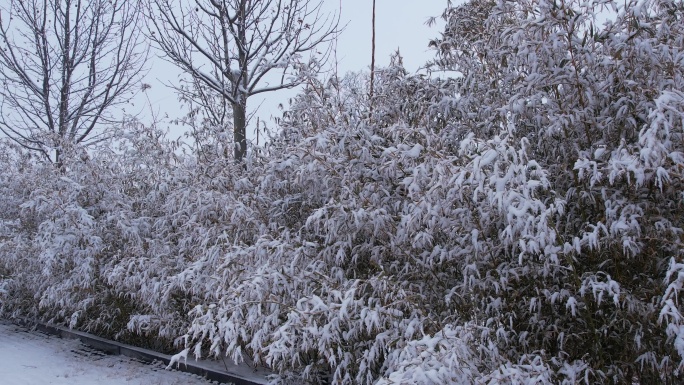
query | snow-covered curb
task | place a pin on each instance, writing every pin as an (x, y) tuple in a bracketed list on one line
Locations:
[(212, 370)]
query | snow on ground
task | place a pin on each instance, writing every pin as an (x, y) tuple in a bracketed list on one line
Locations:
[(32, 358)]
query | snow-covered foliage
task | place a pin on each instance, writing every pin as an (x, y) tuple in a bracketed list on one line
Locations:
[(518, 220), (65, 228)]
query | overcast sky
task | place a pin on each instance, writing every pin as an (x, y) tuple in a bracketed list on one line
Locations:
[(400, 24)]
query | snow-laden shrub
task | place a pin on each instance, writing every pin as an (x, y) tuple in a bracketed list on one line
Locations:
[(518, 223), (600, 106), (66, 226), (539, 221)]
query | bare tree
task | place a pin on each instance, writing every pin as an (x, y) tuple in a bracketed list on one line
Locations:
[(64, 66), (231, 46)]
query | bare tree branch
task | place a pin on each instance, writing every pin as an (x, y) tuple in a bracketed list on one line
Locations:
[(64, 65)]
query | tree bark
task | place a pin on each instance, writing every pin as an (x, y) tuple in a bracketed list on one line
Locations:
[(240, 130)]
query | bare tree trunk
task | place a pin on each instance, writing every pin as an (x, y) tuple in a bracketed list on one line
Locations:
[(240, 130), (58, 159)]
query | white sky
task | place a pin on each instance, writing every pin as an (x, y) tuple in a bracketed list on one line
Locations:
[(400, 24)]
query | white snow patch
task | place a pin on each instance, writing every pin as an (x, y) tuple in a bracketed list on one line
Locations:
[(29, 357)]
